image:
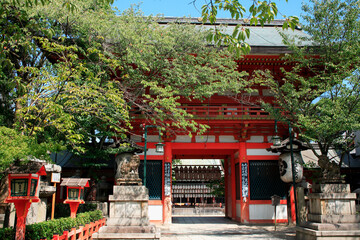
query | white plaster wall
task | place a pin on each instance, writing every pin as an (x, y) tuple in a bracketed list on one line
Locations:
[(263, 152), (256, 139), (151, 151), (238, 210), (269, 138), (12, 215), (251, 94), (266, 212), (155, 212), (267, 93), (205, 138), (357, 140), (231, 109), (135, 138), (37, 212), (227, 139), (183, 138), (152, 138)]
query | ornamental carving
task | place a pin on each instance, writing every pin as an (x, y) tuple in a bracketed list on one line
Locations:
[(127, 169)]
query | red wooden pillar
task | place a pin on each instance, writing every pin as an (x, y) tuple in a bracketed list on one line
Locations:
[(292, 205), (167, 203), (233, 188), (74, 205), (22, 209), (244, 199), (226, 182)]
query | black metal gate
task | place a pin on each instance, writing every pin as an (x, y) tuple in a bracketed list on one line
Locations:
[(265, 180), (153, 178)]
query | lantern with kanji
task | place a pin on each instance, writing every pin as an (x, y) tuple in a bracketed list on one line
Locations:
[(23, 190), (288, 153), (75, 192)]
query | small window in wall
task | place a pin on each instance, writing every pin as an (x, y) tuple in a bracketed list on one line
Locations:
[(237, 181), (153, 178), (265, 180)]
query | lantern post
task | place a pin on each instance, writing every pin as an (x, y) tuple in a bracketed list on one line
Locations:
[(74, 192), (159, 147), (23, 190), (289, 149), (293, 171)]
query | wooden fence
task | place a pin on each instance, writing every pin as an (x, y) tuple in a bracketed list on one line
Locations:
[(82, 233)]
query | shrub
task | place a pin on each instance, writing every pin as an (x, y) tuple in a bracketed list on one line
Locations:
[(57, 226), (63, 210), (7, 233)]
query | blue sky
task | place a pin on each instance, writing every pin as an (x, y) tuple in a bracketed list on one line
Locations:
[(181, 8)]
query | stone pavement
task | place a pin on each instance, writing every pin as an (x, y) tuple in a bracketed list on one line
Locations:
[(221, 228)]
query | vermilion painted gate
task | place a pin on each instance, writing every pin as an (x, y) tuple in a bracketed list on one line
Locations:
[(239, 133)]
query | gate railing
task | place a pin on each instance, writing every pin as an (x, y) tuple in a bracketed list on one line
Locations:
[(82, 233), (219, 112)]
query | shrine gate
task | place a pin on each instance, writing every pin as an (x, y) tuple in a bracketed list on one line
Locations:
[(239, 133)]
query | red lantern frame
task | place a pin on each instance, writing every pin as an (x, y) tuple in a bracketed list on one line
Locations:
[(22, 202), (77, 184)]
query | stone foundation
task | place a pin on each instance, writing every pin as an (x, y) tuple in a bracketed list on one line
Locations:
[(129, 206), (128, 215), (332, 214)]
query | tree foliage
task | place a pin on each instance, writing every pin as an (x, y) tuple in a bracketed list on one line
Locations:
[(259, 13), (71, 77), (321, 96)]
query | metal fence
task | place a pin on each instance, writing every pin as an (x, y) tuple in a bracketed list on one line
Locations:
[(153, 178), (265, 180)]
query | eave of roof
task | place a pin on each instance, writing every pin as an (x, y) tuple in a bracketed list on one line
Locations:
[(264, 39)]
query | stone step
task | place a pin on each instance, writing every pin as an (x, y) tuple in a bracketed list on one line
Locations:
[(128, 229), (331, 188), (125, 236), (334, 218), (333, 196), (117, 221), (311, 234), (332, 226)]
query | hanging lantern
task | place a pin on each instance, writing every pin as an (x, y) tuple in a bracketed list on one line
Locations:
[(159, 147), (286, 173), (276, 140)]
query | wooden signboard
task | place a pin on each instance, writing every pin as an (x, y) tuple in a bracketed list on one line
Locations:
[(167, 181), (244, 180), (55, 177)]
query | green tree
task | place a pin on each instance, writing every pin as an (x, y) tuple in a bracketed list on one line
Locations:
[(72, 77), (15, 147), (321, 96), (259, 12)]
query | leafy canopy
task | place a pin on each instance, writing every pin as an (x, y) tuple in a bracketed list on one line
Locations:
[(72, 77), (321, 96), (259, 12)]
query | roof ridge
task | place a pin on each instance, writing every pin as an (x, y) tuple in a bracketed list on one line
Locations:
[(219, 21)]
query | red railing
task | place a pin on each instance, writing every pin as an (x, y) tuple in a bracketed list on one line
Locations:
[(219, 112), (82, 233), (225, 111)]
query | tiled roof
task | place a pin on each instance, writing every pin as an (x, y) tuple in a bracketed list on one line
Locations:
[(266, 36), (75, 182)]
